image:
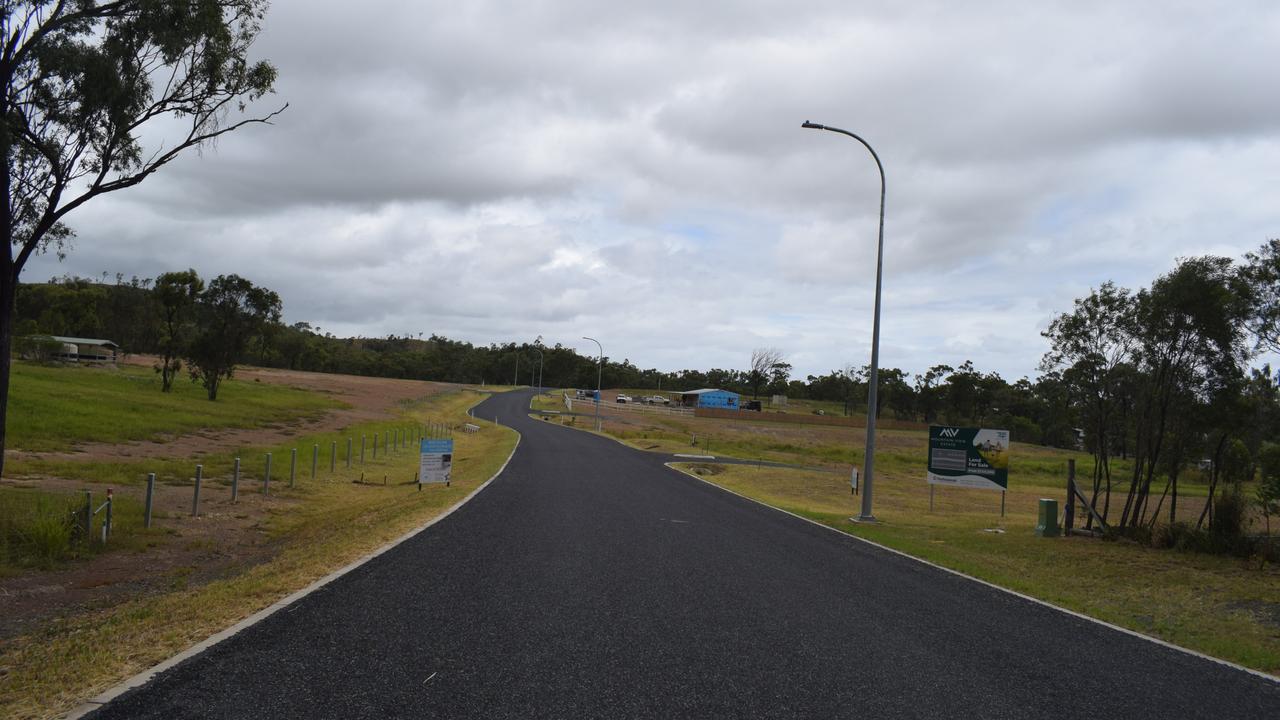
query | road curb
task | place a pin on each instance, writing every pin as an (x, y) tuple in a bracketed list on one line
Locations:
[(147, 675), (1164, 643)]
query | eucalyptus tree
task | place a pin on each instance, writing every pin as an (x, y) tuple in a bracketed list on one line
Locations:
[(930, 392), (1262, 271), (1091, 345), (176, 293), (1191, 333), (84, 80), (231, 313), (766, 364)]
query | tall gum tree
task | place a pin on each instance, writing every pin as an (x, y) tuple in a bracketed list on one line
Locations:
[(82, 79)]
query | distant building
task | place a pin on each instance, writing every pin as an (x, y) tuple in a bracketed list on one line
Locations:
[(708, 398), (88, 350)]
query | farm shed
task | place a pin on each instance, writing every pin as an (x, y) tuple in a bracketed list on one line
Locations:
[(90, 349), (708, 398)]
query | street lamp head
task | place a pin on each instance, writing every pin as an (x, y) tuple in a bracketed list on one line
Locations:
[(813, 126)]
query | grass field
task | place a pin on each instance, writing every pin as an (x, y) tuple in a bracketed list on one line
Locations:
[(56, 407), (309, 530)]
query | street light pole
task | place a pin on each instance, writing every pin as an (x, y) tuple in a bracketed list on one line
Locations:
[(599, 371), (539, 351), (873, 381)]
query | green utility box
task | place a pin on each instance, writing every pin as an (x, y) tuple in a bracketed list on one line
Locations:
[(1048, 525)]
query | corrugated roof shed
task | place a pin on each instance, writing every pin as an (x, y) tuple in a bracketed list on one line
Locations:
[(85, 341)]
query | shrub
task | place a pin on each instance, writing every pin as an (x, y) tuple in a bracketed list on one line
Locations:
[(35, 529)]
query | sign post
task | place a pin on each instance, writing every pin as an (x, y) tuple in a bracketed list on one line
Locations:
[(969, 457), (436, 461)]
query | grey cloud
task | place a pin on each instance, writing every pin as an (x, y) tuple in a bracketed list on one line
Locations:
[(496, 170)]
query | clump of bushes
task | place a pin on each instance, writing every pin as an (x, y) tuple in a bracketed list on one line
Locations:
[(37, 348)]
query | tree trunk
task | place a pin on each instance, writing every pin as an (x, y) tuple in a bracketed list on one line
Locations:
[(8, 292), (1106, 503), (1097, 484), (1155, 515), (1213, 483), (8, 289)]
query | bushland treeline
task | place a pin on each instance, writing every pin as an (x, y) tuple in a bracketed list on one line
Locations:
[(162, 316)]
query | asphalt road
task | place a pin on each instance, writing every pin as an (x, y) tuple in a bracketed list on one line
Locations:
[(590, 581)]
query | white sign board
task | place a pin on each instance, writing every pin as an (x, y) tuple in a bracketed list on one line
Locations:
[(436, 461)]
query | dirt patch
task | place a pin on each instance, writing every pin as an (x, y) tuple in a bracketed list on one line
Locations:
[(183, 550), (367, 399), (706, 469)]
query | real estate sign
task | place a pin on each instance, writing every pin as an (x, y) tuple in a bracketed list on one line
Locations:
[(969, 457), (436, 461)]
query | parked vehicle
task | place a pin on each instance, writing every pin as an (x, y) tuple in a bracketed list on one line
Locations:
[(752, 405), (659, 400), (624, 398)]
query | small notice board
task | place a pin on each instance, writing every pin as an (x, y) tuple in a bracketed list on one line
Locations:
[(436, 461)]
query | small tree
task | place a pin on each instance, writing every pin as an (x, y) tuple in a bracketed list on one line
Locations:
[(1268, 492), (177, 293), (231, 313)]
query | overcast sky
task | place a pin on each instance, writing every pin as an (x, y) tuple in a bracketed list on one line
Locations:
[(496, 171)]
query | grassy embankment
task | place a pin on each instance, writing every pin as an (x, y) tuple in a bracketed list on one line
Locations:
[(56, 409), (1223, 606), (312, 529)]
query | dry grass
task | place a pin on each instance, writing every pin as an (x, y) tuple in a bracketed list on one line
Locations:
[(320, 525)]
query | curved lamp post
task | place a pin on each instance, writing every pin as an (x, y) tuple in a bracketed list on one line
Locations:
[(873, 381), (599, 370)]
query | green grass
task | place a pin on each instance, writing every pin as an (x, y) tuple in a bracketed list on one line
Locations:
[(40, 529), (35, 529), (54, 408), (552, 400)]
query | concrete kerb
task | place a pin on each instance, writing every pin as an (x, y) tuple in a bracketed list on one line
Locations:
[(1015, 593), (147, 675)]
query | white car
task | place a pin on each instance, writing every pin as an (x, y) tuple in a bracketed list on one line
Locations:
[(624, 398)]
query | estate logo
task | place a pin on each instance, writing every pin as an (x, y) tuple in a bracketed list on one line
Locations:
[(950, 432)]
